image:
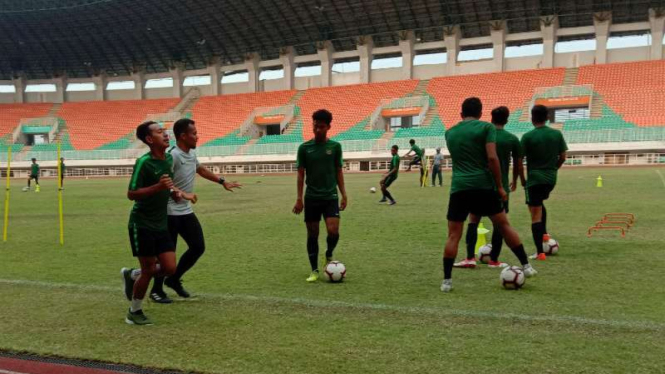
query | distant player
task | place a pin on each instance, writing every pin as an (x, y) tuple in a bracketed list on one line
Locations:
[(476, 186), (34, 174), (150, 188), (545, 152), (391, 176), (62, 172), (181, 218), (507, 147), (320, 161), (437, 164)]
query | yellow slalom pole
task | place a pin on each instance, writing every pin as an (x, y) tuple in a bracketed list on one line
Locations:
[(62, 224), (6, 223)]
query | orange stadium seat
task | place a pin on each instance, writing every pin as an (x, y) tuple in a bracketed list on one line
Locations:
[(634, 90), (95, 123), (217, 116), (512, 89), (11, 114), (349, 104)]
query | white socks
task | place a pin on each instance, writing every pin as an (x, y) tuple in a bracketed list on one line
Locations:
[(136, 305)]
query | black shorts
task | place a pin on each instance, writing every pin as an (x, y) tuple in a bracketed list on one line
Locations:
[(389, 180), (149, 243), (416, 161), (478, 202), (535, 195), (35, 177), (314, 209)]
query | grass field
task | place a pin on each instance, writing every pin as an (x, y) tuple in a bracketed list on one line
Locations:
[(597, 307)]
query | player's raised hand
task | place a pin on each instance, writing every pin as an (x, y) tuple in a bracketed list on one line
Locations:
[(229, 186), (165, 182), (297, 209), (343, 204)]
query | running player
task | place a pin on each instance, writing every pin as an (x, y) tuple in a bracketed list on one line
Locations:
[(476, 186), (320, 160), (150, 188), (507, 146), (545, 152), (34, 174), (417, 159), (181, 218), (390, 176)]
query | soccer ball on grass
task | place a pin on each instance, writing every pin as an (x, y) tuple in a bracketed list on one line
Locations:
[(512, 278), (551, 247), (484, 253), (372, 190), (335, 271)]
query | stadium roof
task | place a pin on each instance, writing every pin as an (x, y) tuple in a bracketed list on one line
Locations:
[(79, 38)]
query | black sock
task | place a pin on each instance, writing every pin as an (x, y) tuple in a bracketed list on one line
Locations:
[(538, 231), (389, 196), (157, 285), (448, 267), (313, 251), (471, 238), (544, 220), (497, 243), (332, 243), (521, 254)]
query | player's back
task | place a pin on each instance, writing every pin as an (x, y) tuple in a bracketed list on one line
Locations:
[(466, 143), (506, 144), (542, 147)]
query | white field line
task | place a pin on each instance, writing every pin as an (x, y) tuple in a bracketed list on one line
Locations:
[(552, 318), (10, 372), (662, 178)]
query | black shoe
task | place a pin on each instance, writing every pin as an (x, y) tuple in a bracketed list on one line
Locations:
[(128, 282), (160, 298), (176, 285)]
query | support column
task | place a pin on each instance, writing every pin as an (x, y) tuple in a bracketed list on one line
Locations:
[(19, 87), (100, 86), (657, 22), (325, 51), (451, 39), (548, 28), (286, 56), (215, 72), (178, 79), (252, 65), (139, 84), (407, 39), (498, 31), (602, 22), (365, 47), (60, 89)]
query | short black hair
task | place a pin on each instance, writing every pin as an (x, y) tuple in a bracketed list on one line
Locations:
[(395, 147), (33, 159), (143, 130), (500, 115), (322, 115), (472, 107), (412, 141), (181, 126), (539, 114)]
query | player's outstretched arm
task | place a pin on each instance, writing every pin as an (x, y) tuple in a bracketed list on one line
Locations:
[(342, 188), (300, 184), (209, 175)]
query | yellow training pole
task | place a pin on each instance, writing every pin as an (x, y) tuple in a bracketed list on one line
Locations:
[(62, 225), (6, 223)]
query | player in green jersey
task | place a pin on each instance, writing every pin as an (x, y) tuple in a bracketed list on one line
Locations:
[(390, 176), (34, 174)]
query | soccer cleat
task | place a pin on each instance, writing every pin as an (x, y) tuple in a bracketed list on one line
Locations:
[(466, 263), (313, 277), (538, 256), (447, 285), (160, 298), (529, 271), (383, 200), (176, 285), (137, 318), (329, 260), (128, 282), (496, 265), (392, 202)]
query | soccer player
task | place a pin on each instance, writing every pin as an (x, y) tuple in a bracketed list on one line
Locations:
[(62, 172), (150, 188), (436, 168), (391, 176), (418, 159), (476, 186), (507, 146), (545, 152), (34, 174), (320, 160), (181, 218)]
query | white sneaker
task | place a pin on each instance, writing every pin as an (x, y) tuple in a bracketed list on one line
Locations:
[(529, 271), (447, 285)]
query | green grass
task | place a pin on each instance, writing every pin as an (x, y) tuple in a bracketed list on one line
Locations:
[(597, 307)]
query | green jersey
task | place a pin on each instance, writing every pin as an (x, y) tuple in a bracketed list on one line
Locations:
[(466, 143), (62, 167), (507, 145), (34, 170), (320, 161), (417, 150), (394, 165), (150, 212), (542, 147)]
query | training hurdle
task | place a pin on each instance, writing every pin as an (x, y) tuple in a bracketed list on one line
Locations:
[(621, 222)]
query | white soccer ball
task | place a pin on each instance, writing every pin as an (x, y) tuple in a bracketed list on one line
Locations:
[(372, 190), (484, 253), (26, 189), (512, 278), (551, 247), (335, 271)]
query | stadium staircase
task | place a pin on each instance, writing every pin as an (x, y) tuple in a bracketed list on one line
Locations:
[(570, 77)]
